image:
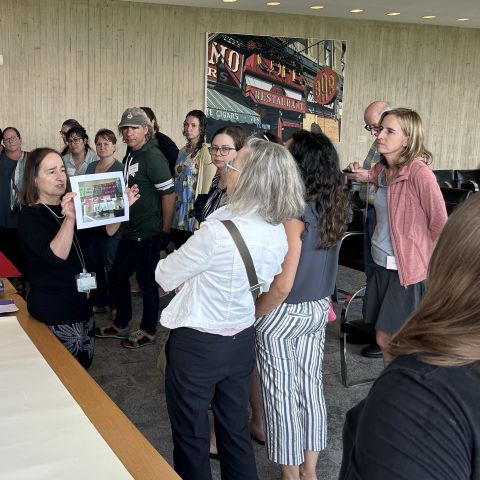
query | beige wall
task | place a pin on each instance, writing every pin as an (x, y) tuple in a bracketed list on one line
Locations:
[(89, 59)]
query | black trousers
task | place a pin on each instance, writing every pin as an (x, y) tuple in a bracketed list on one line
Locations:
[(140, 257), (205, 369)]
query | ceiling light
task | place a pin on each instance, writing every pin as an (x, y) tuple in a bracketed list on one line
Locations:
[(356, 10), (392, 14), (272, 4), (463, 19), (229, 1), (428, 17), (316, 7)]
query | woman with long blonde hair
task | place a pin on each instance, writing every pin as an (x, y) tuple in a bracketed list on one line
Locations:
[(410, 214)]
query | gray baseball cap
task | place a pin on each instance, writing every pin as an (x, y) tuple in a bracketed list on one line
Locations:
[(134, 117)]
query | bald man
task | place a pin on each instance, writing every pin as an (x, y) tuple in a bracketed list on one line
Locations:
[(372, 116)]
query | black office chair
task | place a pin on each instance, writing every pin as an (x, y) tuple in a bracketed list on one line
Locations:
[(446, 178), (351, 255), (454, 196), (357, 328), (468, 179), (351, 247)]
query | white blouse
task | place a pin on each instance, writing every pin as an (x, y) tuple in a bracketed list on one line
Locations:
[(216, 294)]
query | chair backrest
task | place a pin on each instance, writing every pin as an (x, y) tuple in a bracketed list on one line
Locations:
[(445, 178), (454, 196), (356, 222), (351, 253), (468, 179), (468, 175)]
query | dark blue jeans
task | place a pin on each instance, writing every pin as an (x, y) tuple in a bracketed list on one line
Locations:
[(140, 257)]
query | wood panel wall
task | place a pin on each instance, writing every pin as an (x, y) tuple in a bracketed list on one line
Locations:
[(90, 59)]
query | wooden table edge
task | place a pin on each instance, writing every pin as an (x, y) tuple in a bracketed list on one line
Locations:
[(137, 454)]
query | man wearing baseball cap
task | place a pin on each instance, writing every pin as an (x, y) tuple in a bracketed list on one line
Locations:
[(145, 234)]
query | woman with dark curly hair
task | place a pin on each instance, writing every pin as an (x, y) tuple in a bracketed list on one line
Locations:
[(194, 172), (293, 314)]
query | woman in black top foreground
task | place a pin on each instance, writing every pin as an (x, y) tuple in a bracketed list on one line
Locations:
[(54, 255), (421, 419)]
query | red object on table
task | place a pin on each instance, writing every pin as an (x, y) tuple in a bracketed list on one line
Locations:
[(7, 268)]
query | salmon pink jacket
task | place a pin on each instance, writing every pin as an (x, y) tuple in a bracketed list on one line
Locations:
[(417, 215)]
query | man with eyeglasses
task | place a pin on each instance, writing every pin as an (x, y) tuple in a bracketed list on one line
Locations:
[(372, 116)]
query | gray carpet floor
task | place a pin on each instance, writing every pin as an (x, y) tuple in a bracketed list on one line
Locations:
[(134, 383)]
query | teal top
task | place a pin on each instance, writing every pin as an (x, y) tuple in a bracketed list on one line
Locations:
[(115, 167)]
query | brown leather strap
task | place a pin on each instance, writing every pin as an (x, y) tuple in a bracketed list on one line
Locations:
[(246, 257)]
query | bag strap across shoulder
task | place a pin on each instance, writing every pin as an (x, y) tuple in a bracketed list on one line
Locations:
[(246, 257)]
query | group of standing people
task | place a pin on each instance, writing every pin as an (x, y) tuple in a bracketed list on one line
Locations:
[(281, 199), (135, 247), (289, 209)]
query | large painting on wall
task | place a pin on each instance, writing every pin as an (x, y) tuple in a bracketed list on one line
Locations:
[(278, 84)]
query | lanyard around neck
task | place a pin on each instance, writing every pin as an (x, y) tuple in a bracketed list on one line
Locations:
[(75, 241)]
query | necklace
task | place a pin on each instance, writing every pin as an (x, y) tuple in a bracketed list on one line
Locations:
[(383, 179), (52, 212), (75, 241)]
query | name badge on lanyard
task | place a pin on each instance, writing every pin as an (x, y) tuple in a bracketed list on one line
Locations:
[(86, 281), (132, 170), (391, 263)]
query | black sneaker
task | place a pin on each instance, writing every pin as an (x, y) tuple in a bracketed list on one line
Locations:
[(372, 351)]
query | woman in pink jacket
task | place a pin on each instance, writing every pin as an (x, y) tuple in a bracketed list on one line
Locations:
[(410, 214)]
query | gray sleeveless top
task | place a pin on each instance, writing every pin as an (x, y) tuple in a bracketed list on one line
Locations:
[(317, 268)]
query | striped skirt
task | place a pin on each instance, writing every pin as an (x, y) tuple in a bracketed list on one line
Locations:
[(289, 346)]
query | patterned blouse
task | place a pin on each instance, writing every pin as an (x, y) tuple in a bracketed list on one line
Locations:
[(215, 197), (187, 172)]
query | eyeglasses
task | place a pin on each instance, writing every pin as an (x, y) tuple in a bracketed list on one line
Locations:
[(10, 140), (75, 140), (223, 150), (371, 128), (231, 167)]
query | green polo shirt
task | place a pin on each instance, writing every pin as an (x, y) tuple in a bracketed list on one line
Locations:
[(148, 168)]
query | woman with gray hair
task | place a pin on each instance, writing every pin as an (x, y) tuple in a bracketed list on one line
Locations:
[(210, 352)]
